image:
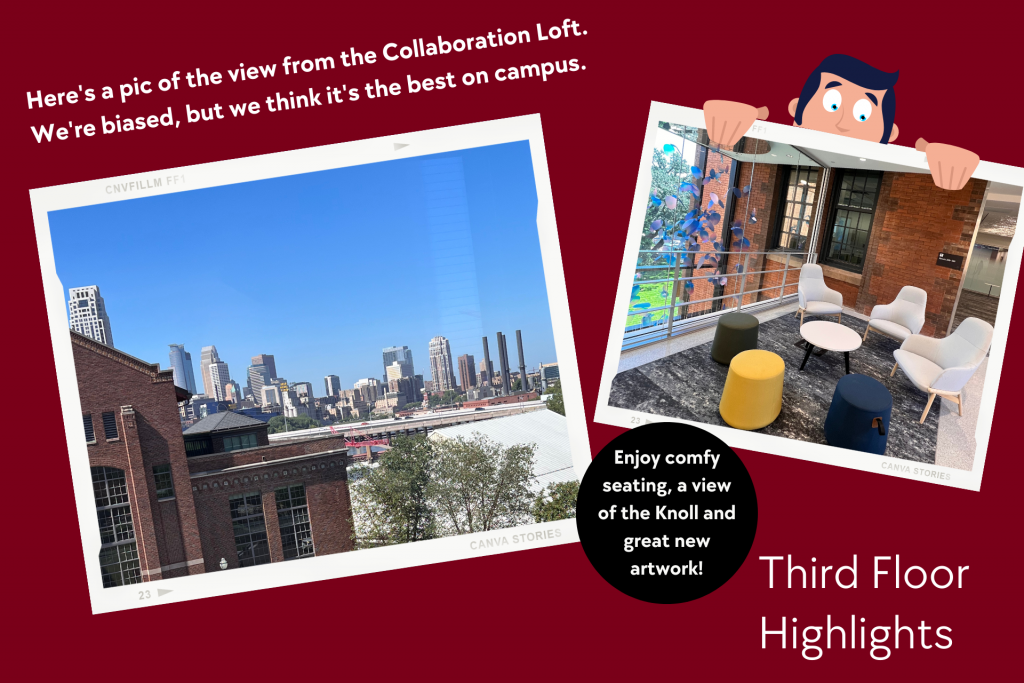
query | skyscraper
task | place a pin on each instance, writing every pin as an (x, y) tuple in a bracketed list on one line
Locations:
[(232, 392), (441, 371), (219, 379), (267, 360), (181, 364), (88, 314), (467, 372), (401, 354), (332, 385), (259, 377), (215, 373)]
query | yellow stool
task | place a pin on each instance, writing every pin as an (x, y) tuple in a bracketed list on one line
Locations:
[(752, 397)]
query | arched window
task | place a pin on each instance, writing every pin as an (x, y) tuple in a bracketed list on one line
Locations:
[(119, 556)]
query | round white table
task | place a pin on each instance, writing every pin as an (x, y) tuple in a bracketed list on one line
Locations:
[(831, 337)]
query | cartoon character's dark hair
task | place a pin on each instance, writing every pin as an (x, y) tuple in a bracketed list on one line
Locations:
[(855, 71)]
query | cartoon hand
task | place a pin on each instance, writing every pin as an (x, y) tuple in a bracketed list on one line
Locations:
[(951, 166), (727, 122)]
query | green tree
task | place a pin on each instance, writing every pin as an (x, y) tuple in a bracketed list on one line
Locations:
[(555, 403), (276, 423), (517, 385), (557, 501), (479, 485), (391, 498)]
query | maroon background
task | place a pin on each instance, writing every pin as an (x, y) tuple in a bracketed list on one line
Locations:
[(541, 611)]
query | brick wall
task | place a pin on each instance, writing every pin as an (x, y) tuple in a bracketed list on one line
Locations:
[(327, 498), (914, 222), (149, 434)]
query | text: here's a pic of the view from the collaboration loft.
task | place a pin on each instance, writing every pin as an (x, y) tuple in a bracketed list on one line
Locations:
[(267, 471)]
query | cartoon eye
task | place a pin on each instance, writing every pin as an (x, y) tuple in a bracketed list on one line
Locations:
[(862, 110), (832, 100)]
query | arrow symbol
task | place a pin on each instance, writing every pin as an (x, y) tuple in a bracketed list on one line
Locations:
[(160, 592)]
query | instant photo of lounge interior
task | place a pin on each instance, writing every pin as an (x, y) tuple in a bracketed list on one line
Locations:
[(814, 296)]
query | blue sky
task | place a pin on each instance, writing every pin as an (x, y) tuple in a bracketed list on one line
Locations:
[(323, 269)]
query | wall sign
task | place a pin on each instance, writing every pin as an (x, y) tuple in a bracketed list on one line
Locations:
[(950, 261)]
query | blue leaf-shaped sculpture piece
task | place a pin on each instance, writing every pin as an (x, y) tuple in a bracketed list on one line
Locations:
[(696, 172), (718, 246), (714, 217), (646, 320), (723, 280), (746, 190), (656, 225), (706, 180), (688, 285), (737, 232), (664, 293), (669, 149), (746, 242), (655, 200), (753, 215), (670, 202), (713, 198), (739, 268), (736, 192)]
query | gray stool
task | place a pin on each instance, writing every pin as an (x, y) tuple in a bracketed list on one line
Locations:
[(736, 332)]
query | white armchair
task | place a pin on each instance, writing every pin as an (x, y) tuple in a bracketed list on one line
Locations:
[(941, 367), (815, 296), (902, 318)]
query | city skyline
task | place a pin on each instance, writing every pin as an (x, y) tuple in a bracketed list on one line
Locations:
[(490, 250)]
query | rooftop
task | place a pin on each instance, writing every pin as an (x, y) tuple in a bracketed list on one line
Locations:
[(219, 422), (552, 461)]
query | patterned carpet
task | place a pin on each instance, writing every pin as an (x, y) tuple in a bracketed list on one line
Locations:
[(688, 385)]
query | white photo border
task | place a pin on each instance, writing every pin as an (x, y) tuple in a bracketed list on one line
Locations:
[(802, 450), (347, 154)]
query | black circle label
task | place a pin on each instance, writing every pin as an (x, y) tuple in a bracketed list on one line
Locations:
[(667, 513)]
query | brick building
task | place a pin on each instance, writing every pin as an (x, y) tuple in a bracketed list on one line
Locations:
[(880, 227), (172, 504), (501, 400)]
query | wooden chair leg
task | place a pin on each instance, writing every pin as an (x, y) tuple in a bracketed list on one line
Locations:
[(894, 366), (801, 318), (960, 404), (868, 329), (840, 318), (927, 407)]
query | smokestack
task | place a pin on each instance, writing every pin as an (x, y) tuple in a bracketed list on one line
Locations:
[(487, 364), (522, 363), (506, 385)]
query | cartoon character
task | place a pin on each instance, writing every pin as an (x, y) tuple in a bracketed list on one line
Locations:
[(847, 97)]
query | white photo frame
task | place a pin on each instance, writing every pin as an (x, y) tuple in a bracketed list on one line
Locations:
[(809, 139), (348, 154)]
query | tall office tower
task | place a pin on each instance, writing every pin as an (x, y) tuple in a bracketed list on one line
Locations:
[(219, 379), (397, 370), (259, 377), (506, 384), (467, 372), (181, 364), (208, 356), (332, 385), (232, 391), (369, 389), (88, 314), (487, 364), (267, 360), (486, 373), (402, 355), (441, 370), (522, 363), (303, 390)]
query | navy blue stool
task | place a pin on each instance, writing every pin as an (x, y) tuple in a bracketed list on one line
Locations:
[(858, 418)]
